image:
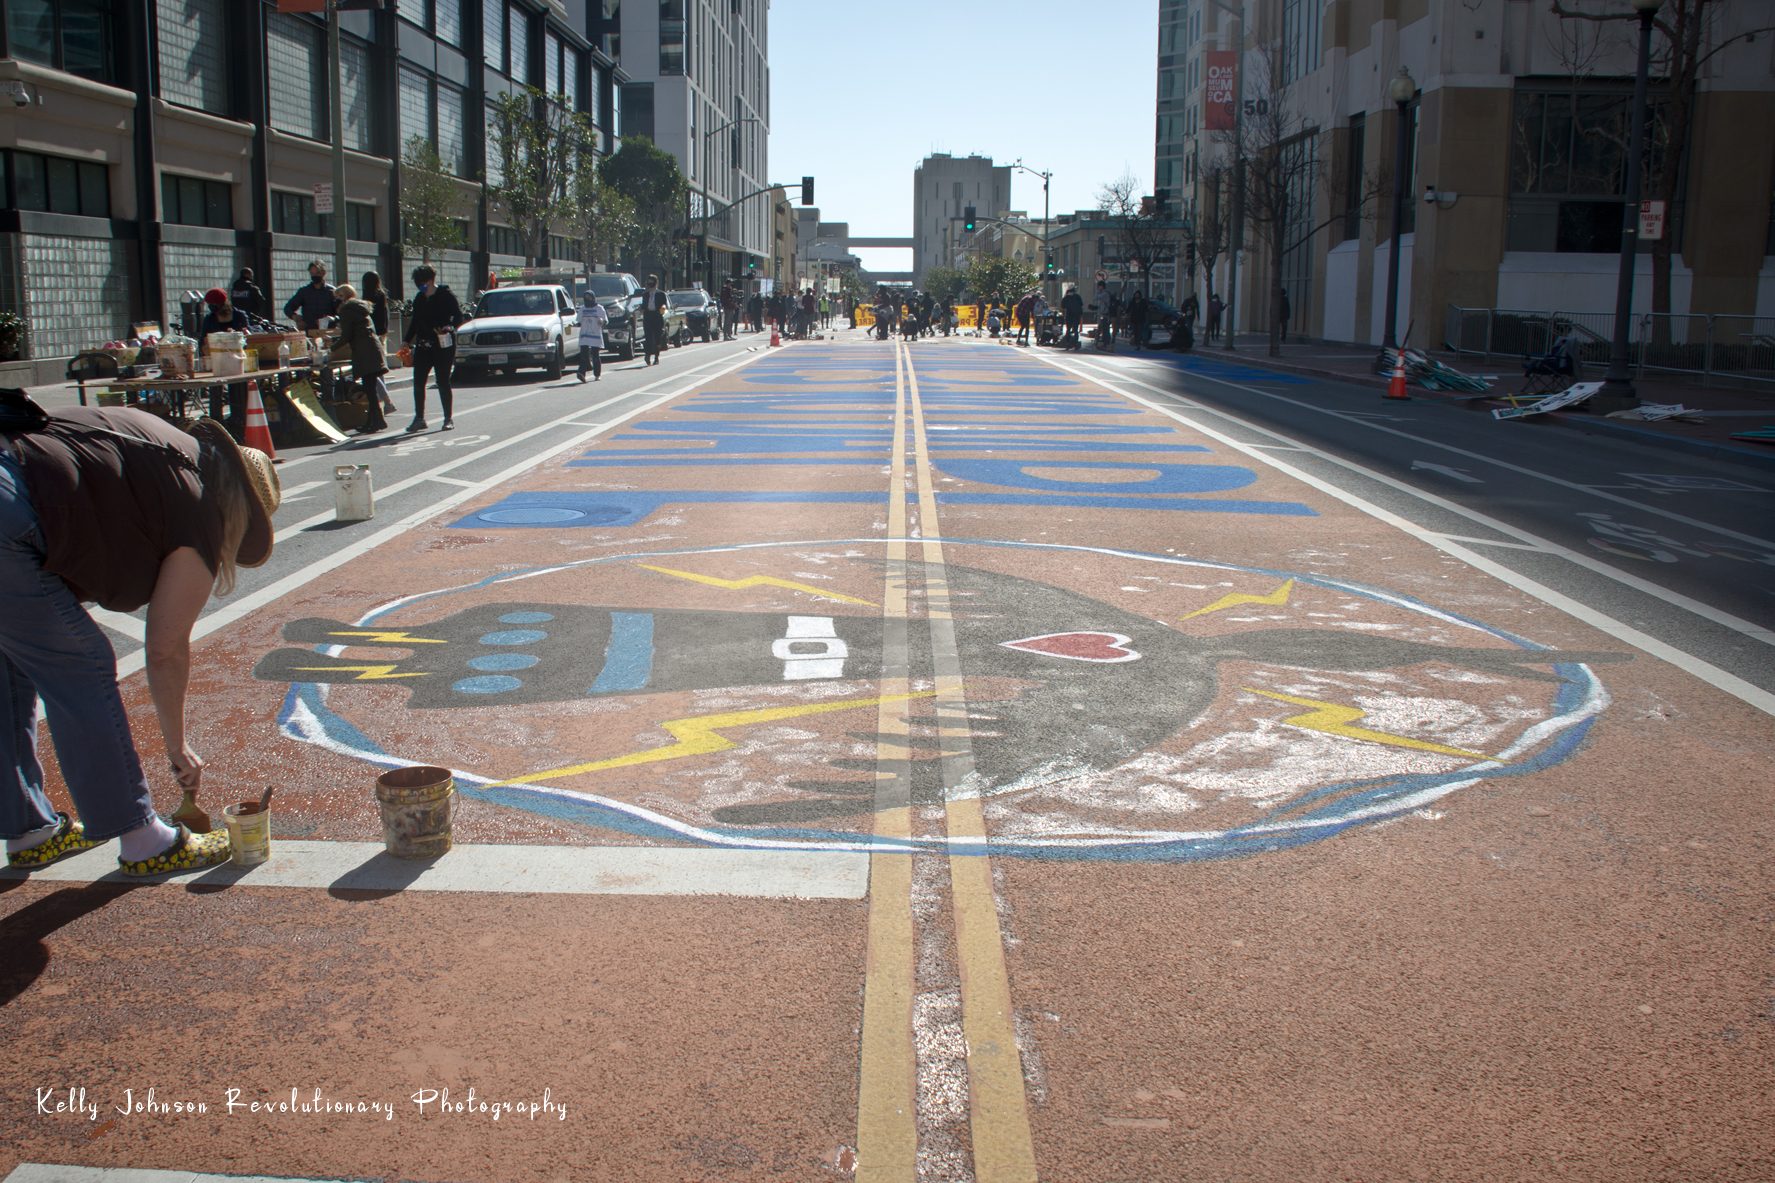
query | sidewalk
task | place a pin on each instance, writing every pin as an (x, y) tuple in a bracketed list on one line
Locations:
[(66, 394), (1727, 410)]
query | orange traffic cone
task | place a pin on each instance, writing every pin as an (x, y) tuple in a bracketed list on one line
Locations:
[(258, 431), (1396, 388), (774, 339)]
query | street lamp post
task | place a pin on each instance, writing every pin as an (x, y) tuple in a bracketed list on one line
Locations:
[(1047, 227), (1401, 90), (708, 256), (1617, 393)]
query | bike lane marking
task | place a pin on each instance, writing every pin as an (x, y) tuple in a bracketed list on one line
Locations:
[(1720, 679)]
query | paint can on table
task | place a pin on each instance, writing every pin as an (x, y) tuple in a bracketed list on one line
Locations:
[(249, 833), (416, 806)]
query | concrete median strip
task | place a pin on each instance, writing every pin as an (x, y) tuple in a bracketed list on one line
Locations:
[(547, 870)]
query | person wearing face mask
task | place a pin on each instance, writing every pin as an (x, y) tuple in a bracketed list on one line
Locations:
[(312, 301), (431, 331)]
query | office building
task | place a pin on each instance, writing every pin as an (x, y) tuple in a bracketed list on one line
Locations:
[(699, 87), (158, 146), (943, 187), (1515, 130)]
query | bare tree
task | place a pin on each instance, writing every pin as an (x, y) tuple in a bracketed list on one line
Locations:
[(537, 144), (1214, 223), (1144, 238), (1687, 41)]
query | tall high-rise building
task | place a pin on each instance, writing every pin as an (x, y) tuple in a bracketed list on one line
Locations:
[(699, 87), (943, 187)]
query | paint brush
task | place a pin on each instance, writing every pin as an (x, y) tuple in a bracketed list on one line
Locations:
[(190, 815), (265, 801)]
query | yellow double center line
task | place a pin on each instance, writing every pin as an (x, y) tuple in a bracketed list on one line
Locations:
[(887, 1132)]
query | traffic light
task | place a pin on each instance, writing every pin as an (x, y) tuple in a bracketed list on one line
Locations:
[(967, 219), (751, 266), (1161, 199), (807, 190)]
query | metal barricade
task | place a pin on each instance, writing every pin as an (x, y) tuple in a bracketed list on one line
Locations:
[(1742, 347)]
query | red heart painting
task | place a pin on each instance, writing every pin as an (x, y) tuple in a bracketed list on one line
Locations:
[(1106, 647)]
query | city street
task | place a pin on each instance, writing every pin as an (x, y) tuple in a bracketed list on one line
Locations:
[(946, 761)]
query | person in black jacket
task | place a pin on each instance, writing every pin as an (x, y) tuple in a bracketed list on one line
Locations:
[(246, 296), (377, 298), (313, 300), (653, 320), (431, 331)]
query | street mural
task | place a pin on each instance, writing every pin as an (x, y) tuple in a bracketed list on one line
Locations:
[(1241, 710)]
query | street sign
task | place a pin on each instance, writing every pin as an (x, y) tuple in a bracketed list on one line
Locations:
[(323, 197), (1102, 274), (1651, 219)]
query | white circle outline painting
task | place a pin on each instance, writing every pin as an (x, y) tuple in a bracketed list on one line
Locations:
[(1093, 732)]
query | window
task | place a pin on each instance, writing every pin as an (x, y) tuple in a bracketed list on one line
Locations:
[(192, 201), (518, 41), (57, 186), (441, 18), (293, 213), (295, 66), (414, 103), (355, 91), (563, 248), (637, 110), (1568, 174), (452, 147), (1300, 38), (71, 35), (490, 132), (671, 37), (503, 240), (193, 54), (493, 32), (1353, 175), (552, 82)]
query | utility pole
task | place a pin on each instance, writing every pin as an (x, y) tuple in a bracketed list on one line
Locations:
[(340, 274)]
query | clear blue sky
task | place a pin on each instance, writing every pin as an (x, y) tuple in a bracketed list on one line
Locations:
[(861, 92)]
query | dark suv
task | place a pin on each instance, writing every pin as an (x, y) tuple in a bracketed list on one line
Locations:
[(701, 317), (616, 290)]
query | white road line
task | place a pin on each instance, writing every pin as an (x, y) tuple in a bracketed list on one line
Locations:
[(1496, 542), (235, 608), (558, 870), (450, 480), (1737, 687), (1361, 417), (129, 626), (1677, 599)]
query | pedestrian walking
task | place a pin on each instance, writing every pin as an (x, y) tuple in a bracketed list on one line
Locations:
[(755, 312), (374, 294), (312, 301), (246, 296), (1072, 311), (360, 344), (1025, 313), (592, 319), (1106, 318), (431, 331), (653, 321), (1215, 308), (1287, 312), (1138, 308), (199, 509), (730, 306)]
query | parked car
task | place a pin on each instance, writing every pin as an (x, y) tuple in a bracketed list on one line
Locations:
[(511, 327), (702, 316)]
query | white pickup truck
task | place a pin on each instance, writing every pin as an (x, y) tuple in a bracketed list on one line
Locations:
[(531, 325)]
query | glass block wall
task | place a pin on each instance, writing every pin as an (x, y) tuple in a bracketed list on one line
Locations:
[(73, 292), (197, 269)]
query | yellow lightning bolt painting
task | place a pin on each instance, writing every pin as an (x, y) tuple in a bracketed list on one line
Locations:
[(1335, 719), (1275, 598), (758, 581)]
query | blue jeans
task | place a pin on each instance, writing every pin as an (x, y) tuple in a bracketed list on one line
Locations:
[(49, 646)]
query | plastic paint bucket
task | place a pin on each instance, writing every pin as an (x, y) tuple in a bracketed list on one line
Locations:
[(249, 833), (354, 499), (416, 806)]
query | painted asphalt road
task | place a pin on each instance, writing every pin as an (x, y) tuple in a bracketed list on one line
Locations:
[(1218, 821), (1621, 515)]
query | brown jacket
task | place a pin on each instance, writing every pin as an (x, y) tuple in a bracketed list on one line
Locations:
[(358, 341)]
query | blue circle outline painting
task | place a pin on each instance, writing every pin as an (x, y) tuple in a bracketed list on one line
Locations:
[(1092, 733)]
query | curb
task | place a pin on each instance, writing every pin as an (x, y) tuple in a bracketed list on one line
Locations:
[(1676, 443), (1589, 425)]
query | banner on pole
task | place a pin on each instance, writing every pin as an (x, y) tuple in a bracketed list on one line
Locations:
[(1217, 103)]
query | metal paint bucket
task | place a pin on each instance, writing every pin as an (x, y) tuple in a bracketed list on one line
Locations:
[(416, 806), (249, 833)]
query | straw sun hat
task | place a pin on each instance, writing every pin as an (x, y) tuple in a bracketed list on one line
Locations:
[(261, 478)]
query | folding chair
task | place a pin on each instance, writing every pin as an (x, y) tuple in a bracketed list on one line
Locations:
[(1550, 372)]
